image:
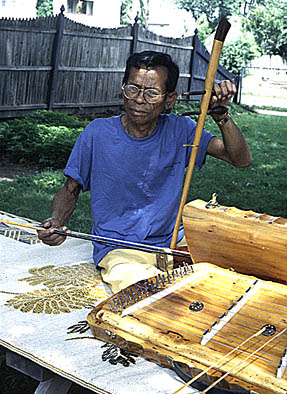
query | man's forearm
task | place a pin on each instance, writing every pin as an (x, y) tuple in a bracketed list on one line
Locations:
[(235, 144), (65, 201)]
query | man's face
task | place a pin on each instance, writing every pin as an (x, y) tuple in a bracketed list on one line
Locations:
[(138, 110)]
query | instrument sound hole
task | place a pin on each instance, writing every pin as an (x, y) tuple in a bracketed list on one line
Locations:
[(196, 306), (269, 330)]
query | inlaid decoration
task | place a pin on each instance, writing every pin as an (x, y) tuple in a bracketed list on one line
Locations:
[(18, 234), (66, 288)]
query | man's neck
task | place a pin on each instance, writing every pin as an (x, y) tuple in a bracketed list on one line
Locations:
[(138, 130)]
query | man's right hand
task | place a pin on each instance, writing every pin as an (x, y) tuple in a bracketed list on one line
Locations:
[(48, 236)]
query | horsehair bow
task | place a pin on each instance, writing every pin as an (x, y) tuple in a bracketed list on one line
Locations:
[(108, 241), (219, 38)]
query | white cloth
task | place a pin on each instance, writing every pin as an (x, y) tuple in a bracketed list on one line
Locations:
[(42, 337)]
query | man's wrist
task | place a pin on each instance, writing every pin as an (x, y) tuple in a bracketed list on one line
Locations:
[(223, 120), (52, 218)]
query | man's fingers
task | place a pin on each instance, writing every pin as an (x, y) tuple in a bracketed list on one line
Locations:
[(223, 92), (50, 238), (48, 235)]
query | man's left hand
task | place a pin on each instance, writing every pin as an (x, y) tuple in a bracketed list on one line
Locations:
[(223, 92)]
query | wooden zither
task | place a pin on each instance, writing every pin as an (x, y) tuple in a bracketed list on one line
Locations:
[(200, 317), (251, 243)]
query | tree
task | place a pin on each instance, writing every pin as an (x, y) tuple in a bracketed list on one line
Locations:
[(214, 10), (126, 10), (265, 19), (44, 8), (269, 26), (144, 12), (129, 6), (238, 53)]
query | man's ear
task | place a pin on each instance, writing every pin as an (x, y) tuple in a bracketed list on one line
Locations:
[(170, 100)]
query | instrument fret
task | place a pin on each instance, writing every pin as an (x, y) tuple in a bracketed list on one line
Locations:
[(229, 314), (282, 365)]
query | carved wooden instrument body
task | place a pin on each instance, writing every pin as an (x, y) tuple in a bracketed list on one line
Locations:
[(198, 315), (249, 242)]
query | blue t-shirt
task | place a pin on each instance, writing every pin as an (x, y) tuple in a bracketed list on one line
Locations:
[(135, 183)]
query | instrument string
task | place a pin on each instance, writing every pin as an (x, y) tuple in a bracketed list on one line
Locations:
[(198, 376), (177, 305), (225, 345), (180, 307), (238, 292), (243, 361)]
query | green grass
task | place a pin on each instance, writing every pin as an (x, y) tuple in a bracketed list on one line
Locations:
[(31, 196), (260, 187)]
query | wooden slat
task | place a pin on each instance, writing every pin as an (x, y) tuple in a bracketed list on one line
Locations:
[(91, 63)]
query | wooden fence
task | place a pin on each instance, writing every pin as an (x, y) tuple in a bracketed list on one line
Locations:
[(57, 64)]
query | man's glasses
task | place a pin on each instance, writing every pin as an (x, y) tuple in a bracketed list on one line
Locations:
[(151, 95)]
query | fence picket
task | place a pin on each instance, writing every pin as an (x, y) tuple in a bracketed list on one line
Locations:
[(81, 68)]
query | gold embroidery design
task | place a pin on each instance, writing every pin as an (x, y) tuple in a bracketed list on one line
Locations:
[(68, 287)]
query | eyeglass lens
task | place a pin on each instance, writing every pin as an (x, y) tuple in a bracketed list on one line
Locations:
[(150, 95)]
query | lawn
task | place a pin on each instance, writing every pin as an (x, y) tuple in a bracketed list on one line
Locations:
[(261, 187)]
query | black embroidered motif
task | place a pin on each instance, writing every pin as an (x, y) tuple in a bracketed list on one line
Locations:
[(116, 355)]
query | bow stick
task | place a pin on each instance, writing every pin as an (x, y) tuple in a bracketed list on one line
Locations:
[(219, 38), (107, 241)]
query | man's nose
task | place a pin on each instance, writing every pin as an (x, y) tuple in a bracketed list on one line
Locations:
[(140, 96)]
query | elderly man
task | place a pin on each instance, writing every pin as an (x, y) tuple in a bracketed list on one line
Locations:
[(134, 165)]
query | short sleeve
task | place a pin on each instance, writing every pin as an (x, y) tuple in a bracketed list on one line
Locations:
[(79, 164)]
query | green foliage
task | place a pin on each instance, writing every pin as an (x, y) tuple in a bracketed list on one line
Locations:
[(268, 23), (204, 30), (265, 19), (44, 8), (126, 8), (239, 53), (43, 139), (126, 11), (214, 10), (144, 12)]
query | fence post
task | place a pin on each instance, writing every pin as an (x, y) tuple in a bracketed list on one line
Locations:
[(237, 97), (195, 46), (135, 35), (55, 58)]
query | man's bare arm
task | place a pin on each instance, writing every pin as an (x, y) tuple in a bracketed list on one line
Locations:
[(233, 147), (63, 205)]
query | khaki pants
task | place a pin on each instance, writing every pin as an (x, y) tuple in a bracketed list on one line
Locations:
[(123, 267)]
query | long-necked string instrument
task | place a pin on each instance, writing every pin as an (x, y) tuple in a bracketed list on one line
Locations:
[(105, 240), (220, 35)]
